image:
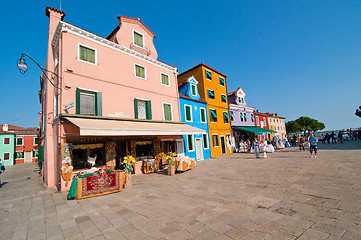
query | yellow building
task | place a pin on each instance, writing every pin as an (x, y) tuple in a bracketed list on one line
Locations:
[(212, 87)]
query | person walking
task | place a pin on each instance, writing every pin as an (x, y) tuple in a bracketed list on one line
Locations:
[(340, 137), (301, 142), (264, 148), (256, 147), (2, 169), (333, 138), (313, 145)]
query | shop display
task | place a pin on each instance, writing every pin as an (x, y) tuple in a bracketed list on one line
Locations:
[(183, 163), (66, 163)]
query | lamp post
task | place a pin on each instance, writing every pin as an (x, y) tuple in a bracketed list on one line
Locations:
[(23, 68)]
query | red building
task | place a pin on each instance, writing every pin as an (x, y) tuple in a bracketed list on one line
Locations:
[(262, 122), (26, 145)]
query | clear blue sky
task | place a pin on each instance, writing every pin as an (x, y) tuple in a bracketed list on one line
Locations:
[(296, 58)]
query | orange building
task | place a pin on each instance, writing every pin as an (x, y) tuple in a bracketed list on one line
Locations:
[(212, 87)]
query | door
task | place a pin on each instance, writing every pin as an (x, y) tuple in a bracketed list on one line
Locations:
[(199, 149), (180, 148), (28, 158), (223, 144)]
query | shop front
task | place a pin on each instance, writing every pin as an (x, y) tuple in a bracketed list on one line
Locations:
[(89, 143), (244, 133)]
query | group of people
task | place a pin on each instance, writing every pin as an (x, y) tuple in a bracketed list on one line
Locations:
[(310, 142)]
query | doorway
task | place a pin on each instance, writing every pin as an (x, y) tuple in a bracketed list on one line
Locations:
[(223, 145), (28, 157), (199, 149)]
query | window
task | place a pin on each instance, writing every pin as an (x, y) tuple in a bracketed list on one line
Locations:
[(232, 115), (212, 115), (19, 155), (241, 116), (240, 100), (139, 71), (225, 117), (6, 141), (19, 141), (88, 102), (224, 98), (87, 54), (257, 120), (138, 39), (35, 153), (194, 90), (165, 79), (221, 81), (211, 94), (142, 109), (252, 117), (6, 156), (208, 75), (215, 140), (167, 110), (203, 115), (190, 142), (36, 141), (245, 117), (188, 111), (55, 104), (205, 141)]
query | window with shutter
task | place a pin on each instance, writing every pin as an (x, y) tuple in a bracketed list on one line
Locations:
[(88, 102), (211, 94), (188, 111), (167, 110), (6, 156), (212, 115), (215, 140), (6, 141), (87, 54), (203, 115), (165, 79), (221, 81), (190, 142), (139, 71), (224, 98), (19, 141), (205, 141), (138, 39), (194, 90), (142, 112), (208, 75)]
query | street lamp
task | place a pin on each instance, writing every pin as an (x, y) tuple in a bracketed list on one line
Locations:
[(23, 68)]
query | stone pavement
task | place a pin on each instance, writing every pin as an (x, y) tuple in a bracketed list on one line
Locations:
[(286, 196)]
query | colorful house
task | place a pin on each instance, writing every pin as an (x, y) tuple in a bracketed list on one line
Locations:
[(261, 121), (26, 145), (277, 124), (112, 98), (213, 88), (193, 111), (7, 146)]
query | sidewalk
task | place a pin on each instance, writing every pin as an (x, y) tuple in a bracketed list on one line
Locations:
[(286, 196)]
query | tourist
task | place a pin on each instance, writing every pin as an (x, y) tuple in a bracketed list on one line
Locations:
[(313, 145), (264, 148), (328, 138), (256, 147), (2, 169), (301, 142), (323, 138), (333, 138), (340, 136)]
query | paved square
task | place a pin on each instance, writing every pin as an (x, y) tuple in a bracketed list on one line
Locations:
[(286, 196)]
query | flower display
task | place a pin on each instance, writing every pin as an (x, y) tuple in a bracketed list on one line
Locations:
[(170, 158), (128, 163)]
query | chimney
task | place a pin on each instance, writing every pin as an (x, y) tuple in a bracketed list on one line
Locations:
[(5, 127)]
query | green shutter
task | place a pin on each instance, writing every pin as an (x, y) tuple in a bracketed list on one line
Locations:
[(203, 115), (138, 39), (231, 114), (98, 106), (221, 81), (205, 141), (148, 109), (226, 115), (77, 100), (208, 75), (194, 92), (87, 54), (224, 98), (165, 79), (188, 113), (211, 93), (135, 108), (167, 112), (245, 116), (214, 114), (139, 71)]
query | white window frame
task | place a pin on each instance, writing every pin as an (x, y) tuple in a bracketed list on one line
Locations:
[(213, 94), (206, 140), (211, 75), (161, 79), (142, 39), (217, 140), (222, 98), (22, 142), (34, 141), (185, 112), (192, 135), (192, 91), (205, 114), (4, 141), (224, 80), (210, 115), (20, 151), (9, 156), (257, 120), (145, 71), (171, 111), (95, 54), (230, 116), (145, 100), (33, 153)]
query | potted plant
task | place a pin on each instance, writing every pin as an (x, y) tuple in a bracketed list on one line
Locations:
[(170, 159), (128, 168)]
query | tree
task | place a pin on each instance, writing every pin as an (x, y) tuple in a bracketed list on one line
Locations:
[(293, 127), (358, 112), (305, 124)]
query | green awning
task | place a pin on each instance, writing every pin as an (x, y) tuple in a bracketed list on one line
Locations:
[(231, 114), (224, 98), (210, 92), (254, 129), (226, 115), (214, 114)]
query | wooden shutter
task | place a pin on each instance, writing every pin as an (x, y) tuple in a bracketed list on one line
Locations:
[(148, 107), (135, 108), (98, 107), (77, 100)]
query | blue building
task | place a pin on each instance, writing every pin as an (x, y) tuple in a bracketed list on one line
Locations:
[(193, 111)]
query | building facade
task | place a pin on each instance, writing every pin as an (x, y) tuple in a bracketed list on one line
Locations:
[(193, 111), (277, 124), (7, 144), (261, 121), (26, 145), (111, 98), (213, 89)]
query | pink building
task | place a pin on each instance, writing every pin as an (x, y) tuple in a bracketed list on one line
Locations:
[(112, 98)]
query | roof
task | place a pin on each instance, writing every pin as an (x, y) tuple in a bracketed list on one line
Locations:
[(11, 129), (47, 10), (234, 92), (27, 131), (131, 20), (204, 65), (275, 115), (189, 98), (187, 81)]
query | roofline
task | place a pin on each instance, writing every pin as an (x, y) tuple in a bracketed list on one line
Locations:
[(137, 19), (204, 65), (113, 32), (54, 9), (189, 98)]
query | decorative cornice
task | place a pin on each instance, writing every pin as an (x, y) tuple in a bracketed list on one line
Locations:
[(64, 26), (236, 106)]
